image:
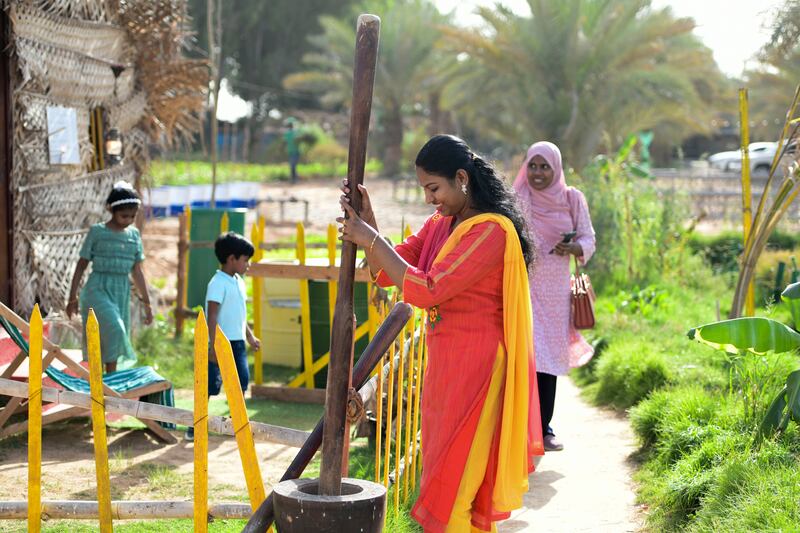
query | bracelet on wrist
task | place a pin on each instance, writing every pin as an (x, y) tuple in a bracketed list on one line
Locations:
[(375, 238)]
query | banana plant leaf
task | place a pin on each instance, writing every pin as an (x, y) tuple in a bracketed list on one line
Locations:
[(778, 416), (791, 295), (754, 334)]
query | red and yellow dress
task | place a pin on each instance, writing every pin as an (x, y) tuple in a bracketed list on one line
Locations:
[(480, 409)]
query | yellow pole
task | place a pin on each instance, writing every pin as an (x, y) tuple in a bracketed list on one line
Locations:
[(241, 423), (417, 394), (398, 431), (256, 236), (409, 405), (332, 285), (35, 422), (390, 386), (422, 384), (373, 315), (201, 424), (99, 422), (379, 421), (224, 223), (747, 212), (305, 310)]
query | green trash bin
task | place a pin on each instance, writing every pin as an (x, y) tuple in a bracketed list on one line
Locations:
[(320, 323), (205, 227)]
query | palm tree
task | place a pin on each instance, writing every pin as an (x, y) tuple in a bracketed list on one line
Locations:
[(406, 58), (774, 81), (581, 72)]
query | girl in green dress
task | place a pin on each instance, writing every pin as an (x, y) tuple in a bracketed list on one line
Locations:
[(115, 250)]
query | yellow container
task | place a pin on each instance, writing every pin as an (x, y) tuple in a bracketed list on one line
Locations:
[(280, 326)]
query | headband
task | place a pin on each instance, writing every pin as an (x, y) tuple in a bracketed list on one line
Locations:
[(125, 201)]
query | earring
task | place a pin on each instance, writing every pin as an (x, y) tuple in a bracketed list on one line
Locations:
[(464, 188)]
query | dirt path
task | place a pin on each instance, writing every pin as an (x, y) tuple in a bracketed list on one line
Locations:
[(587, 486)]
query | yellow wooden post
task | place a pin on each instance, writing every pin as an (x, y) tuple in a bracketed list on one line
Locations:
[(332, 285), (398, 432), (410, 404), (373, 315), (99, 422), (256, 236), (241, 423), (379, 421), (224, 223), (35, 422), (188, 211), (201, 424), (417, 394), (390, 393), (747, 211), (305, 310), (421, 385)]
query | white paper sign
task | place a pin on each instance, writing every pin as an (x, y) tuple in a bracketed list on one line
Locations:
[(62, 136)]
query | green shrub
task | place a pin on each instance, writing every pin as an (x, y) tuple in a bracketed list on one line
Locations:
[(327, 151), (626, 376), (721, 251)]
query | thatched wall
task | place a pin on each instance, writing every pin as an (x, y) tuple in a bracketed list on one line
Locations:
[(63, 52)]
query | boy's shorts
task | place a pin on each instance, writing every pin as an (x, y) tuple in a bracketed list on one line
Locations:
[(240, 358)]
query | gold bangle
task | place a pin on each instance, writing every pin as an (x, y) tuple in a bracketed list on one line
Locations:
[(375, 238)]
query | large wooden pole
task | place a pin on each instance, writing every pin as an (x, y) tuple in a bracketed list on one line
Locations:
[(330, 480), (385, 336)]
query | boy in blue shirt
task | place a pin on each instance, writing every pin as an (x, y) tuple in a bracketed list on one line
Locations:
[(226, 299)]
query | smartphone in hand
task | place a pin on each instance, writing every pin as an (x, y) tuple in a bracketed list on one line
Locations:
[(567, 237)]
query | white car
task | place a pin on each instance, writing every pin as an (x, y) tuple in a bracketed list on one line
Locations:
[(761, 155)]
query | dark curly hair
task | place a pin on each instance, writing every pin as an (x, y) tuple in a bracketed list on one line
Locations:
[(444, 155), (123, 196)]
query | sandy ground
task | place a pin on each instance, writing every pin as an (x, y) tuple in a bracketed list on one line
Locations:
[(587, 486), (141, 467)]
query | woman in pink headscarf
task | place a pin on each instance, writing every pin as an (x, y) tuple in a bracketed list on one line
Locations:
[(553, 210)]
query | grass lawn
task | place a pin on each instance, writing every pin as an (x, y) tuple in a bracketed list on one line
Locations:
[(199, 172), (695, 412)]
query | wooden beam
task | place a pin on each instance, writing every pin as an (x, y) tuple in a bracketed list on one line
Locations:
[(180, 282), (151, 411), (286, 271), (6, 152), (121, 510), (339, 368)]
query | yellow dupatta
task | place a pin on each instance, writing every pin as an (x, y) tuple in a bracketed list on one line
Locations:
[(512, 466)]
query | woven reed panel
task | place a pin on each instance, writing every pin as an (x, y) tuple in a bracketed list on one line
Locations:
[(128, 114), (99, 40), (70, 76), (94, 10)]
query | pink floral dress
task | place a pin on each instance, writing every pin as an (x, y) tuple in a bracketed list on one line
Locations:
[(557, 344)]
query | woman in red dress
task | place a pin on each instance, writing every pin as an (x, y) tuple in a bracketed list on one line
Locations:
[(467, 267)]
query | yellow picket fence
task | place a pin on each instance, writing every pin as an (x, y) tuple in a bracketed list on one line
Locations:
[(104, 508)]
